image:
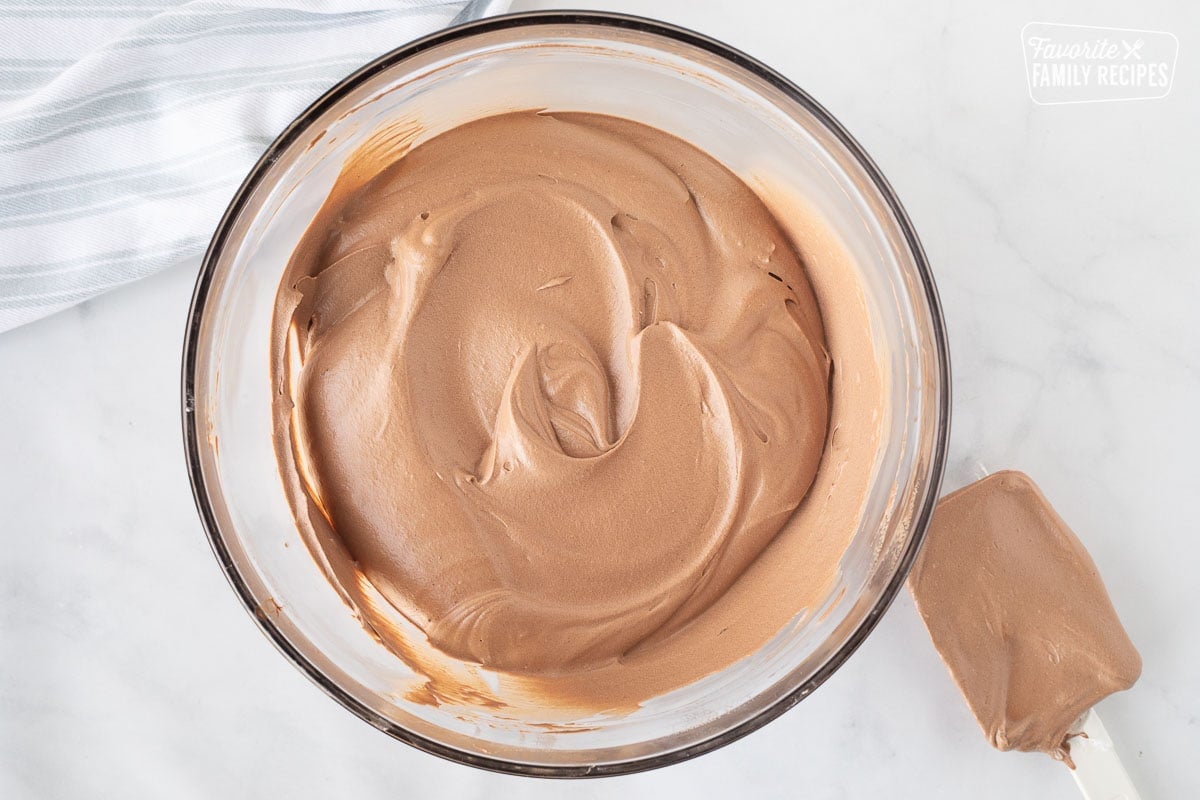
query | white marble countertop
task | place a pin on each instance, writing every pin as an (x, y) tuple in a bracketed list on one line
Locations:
[(1065, 243)]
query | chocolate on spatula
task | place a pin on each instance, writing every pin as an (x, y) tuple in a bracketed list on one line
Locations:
[(1017, 610)]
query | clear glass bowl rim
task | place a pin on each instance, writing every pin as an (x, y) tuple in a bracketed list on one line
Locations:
[(193, 437)]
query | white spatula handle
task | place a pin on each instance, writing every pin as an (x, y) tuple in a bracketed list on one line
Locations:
[(1098, 771)]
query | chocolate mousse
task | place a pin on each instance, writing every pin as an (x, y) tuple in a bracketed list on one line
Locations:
[(550, 385)]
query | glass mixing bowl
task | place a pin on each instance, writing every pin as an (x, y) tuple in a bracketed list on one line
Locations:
[(724, 102)]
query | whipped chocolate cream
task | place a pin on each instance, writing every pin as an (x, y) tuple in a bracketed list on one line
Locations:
[(1018, 612), (548, 386)]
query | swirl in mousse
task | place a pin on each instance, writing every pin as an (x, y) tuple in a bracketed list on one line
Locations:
[(548, 384)]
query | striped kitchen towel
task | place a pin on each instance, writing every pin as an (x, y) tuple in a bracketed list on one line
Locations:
[(126, 125)]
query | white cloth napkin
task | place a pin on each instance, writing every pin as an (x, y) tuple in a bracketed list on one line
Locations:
[(126, 125)]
